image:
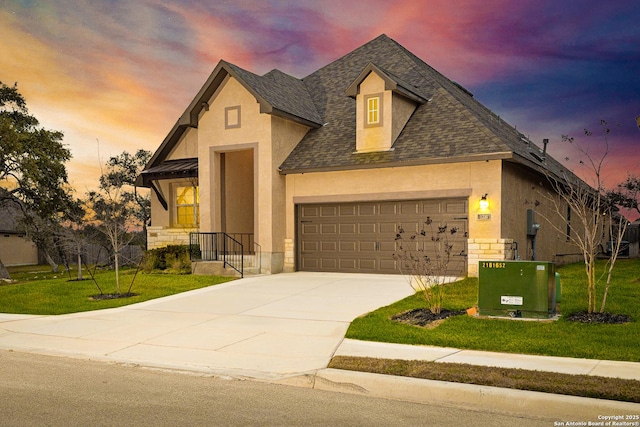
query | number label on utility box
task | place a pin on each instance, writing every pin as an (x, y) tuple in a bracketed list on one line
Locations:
[(510, 300)]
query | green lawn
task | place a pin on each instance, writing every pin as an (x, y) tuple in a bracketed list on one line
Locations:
[(38, 291), (552, 338)]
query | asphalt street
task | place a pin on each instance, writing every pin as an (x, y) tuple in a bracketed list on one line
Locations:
[(40, 390)]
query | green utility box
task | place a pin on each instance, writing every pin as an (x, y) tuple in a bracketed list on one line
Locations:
[(517, 288)]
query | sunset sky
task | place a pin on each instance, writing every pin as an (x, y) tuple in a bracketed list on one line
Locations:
[(122, 72)]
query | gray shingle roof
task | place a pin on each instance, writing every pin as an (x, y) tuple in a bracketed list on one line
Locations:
[(452, 126), (284, 93)]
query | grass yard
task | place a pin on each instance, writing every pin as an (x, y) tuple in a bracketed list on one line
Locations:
[(551, 338), (38, 291)]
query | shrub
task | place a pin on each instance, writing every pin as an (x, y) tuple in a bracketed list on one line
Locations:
[(169, 257)]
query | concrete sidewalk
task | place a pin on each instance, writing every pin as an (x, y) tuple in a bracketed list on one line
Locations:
[(285, 328)]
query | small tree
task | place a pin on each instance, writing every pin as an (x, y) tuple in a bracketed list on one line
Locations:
[(428, 258), (591, 205), (114, 215), (123, 170), (72, 234)]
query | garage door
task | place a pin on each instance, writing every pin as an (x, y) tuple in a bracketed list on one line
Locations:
[(360, 237)]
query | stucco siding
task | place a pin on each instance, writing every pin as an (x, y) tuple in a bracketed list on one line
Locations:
[(186, 147), (525, 190)]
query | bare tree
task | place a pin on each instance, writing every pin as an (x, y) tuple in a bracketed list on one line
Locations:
[(591, 209), (428, 258)]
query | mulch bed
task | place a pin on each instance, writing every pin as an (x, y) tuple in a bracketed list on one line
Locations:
[(424, 317), (584, 317), (101, 297)]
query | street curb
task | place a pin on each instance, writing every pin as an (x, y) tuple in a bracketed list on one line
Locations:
[(468, 396)]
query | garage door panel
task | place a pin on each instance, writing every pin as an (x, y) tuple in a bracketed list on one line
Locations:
[(331, 246), (389, 208), (387, 246), (368, 265), (349, 228), (329, 264), (367, 209), (388, 265), (329, 229), (388, 228), (308, 263), (409, 208), (366, 228), (367, 246), (360, 237), (309, 212), (310, 229), (348, 264), (457, 207), (348, 210), (431, 207), (310, 246), (347, 246), (329, 211)]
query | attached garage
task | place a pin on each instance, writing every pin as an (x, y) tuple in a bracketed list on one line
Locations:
[(360, 237)]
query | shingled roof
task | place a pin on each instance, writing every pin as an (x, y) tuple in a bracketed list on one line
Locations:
[(449, 124), (451, 127), (278, 93)]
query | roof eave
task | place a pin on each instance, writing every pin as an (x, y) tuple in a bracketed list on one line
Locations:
[(399, 163)]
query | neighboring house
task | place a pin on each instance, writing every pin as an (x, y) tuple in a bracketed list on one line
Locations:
[(321, 171), (15, 247)]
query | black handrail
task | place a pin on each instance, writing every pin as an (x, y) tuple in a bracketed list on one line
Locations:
[(220, 246)]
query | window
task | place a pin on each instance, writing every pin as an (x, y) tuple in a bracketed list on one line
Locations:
[(373, 111), (187, 201), (232, 117), (373, 106)]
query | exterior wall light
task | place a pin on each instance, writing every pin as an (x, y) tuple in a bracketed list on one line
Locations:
[(484, 203)]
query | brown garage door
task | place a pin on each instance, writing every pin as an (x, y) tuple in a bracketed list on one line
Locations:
[(360, 237)]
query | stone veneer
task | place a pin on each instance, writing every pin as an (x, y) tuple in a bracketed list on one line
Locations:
[(289, 256), (487, 249), (159, 237)]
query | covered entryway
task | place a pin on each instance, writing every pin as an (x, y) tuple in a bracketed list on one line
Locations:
[(360, 237)]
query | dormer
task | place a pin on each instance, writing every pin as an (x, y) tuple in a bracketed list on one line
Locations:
[(384, 105)]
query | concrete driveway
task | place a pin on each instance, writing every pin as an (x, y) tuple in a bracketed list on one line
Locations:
[(262, 327)]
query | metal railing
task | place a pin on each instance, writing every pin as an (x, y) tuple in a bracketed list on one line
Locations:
[(220, 246)]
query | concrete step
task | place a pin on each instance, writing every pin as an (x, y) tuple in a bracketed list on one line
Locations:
[(217, 268)]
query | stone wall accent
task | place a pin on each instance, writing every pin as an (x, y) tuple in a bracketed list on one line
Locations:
[(487, 249), (289, 256), (159, 237)]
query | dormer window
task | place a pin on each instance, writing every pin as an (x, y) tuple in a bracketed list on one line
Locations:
[(373, 107)]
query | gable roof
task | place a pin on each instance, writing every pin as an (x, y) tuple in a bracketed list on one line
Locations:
[(391, 82), (277, 93), (451, 127)]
